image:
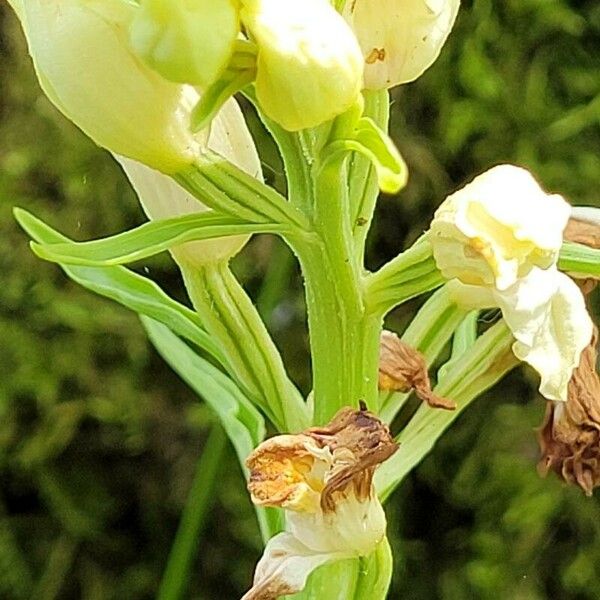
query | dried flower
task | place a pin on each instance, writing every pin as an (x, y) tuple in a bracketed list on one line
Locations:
[(402, 369), (570, 435), (323, 478)]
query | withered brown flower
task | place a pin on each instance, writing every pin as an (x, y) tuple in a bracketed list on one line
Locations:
[(402, 369), (323, 478), (570, 435)]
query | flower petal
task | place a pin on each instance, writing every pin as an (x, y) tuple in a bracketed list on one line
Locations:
[(547, 315), (285, 567)]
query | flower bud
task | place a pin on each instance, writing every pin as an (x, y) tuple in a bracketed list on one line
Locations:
[(309, 64), (84, 64), (497, 228), (399, 39), (189, 42), (161, 197)]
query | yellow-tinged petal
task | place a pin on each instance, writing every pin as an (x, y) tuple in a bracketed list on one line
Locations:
[(309, 65), (497, 228), (399, 39), (189, 42), (161, 197), (85, 66)]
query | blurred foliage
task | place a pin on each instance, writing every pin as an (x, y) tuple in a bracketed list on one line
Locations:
[(99, 440)]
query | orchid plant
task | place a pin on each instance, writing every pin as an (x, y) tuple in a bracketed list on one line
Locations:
[(153, 82)]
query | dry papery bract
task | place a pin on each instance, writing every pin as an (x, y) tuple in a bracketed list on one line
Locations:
[(402, 369)]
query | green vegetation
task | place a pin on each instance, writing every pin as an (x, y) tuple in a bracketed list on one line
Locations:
[(99, 439)]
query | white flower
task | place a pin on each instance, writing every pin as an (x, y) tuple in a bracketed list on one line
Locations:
[(161, 197), (84, 64), (323, 479), (399, 39), (499, 238), (309, 65)]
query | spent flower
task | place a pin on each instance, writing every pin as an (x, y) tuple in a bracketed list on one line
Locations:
[(323, 479)]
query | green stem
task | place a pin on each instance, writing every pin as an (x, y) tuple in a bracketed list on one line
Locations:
[(487, 361), (362, 179), (411, 273), (200, 498), (344, 335), (230, 317), (428, 332)]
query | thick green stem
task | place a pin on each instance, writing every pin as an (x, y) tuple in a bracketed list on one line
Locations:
[(230, 317), (344, 336), (176, 575)]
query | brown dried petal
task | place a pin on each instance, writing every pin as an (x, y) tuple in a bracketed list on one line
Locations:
[(278, 469), (402, 368), (582, 232), (282, 468), (359, 441), (570, 435)]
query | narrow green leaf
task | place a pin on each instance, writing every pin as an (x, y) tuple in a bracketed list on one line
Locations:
[(148, 239), (199, 502), (578, 258), (128, 289), (243, 423), (488, 360)]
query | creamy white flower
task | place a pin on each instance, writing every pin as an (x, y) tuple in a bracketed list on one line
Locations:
[(498, 239), (495, 229), (323, 480), (399, 39), (309, 65), (161, 197), (84, 64)]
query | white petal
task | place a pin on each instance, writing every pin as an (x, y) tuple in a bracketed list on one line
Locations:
[(405, 37), (588, 214), (355, 527), (284, 568), (470, 296), (547, 315)]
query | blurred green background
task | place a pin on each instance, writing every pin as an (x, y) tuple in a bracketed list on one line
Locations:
[(99, 440)]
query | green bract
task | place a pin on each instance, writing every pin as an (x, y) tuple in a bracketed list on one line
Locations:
[(187, 41)]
